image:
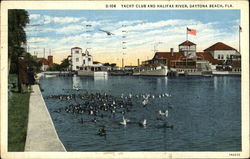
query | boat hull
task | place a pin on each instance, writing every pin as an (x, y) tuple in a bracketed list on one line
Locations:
[(226, 73), (92, 73), (154, 72), (49, 76)]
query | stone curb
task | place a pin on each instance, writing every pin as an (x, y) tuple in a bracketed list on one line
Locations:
[(41, 132)]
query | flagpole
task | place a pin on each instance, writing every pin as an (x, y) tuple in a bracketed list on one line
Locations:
[(187, 34), (186, 40), (239, 39)]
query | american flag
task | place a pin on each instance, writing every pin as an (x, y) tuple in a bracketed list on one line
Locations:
[(191, 31)]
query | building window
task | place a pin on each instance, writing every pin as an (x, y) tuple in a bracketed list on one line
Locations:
[(218, 56), (77, 59), (89, 59), (222, 57), (77, 51), (84, 62)]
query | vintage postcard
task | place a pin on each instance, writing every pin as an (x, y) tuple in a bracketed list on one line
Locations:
[(124, 79)]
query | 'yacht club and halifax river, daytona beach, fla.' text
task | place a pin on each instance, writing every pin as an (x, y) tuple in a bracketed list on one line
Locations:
[(143, 5)]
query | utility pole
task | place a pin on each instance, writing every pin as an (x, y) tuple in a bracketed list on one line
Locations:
[(122, 63), (44, 53)]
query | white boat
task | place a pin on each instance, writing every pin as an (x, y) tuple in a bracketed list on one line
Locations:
[(96, 71), (216, 72), (151, 71), (49, 76), (226, 70)]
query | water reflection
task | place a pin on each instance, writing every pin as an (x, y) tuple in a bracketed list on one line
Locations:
[(100, 78), (215, 83), (76, 82)]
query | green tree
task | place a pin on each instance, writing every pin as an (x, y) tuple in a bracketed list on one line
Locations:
[(32, 61), (65, 64), (54, 67), (17, 21)]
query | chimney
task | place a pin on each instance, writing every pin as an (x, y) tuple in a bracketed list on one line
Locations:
[(50, 60), (172, 51)]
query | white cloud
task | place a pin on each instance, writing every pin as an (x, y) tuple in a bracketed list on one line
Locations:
[(91, 23), (45, 19), (63, 20), (34, 16), (69, 29), (154, 25), (126, 22), (39, 39)]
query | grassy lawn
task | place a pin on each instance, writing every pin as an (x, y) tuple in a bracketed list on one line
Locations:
[(18, 108)]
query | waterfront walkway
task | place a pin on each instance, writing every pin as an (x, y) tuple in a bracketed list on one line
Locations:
[(41, 133)]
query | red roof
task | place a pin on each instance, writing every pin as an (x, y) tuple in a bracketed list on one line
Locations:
[(44, 61), (219, 46), (207, 57), (168, 55), (179, 56), (76, 48), (187, 43)]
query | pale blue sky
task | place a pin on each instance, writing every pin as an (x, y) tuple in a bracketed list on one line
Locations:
[(63, 29)]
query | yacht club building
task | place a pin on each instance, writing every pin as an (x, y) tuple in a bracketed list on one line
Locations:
[(187, 59), (79, 59), (221, 51)]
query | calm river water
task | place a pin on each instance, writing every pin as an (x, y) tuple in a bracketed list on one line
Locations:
[(205, 112)]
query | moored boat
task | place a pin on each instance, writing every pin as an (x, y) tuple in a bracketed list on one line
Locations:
[(151, 71), (49, 75), (97, 71), (216, 72)]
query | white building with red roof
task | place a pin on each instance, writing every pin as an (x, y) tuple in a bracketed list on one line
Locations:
[(46, 63), (79, 59), (221, 51), (76, 58)]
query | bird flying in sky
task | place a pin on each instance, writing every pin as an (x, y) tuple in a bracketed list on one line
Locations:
[(107, 32)]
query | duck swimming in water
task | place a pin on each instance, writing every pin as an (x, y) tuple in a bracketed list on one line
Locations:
[(163, 114), (94, 120), (143, 123), (144, 102), (124, 122), (102, 132)]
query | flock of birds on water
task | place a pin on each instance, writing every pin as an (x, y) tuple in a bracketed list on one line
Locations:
[(99, 106)]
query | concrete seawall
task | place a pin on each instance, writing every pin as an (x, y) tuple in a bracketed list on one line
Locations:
[(41, 133)]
